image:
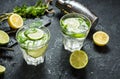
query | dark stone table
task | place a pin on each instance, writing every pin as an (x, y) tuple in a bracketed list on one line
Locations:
[(104, 62)]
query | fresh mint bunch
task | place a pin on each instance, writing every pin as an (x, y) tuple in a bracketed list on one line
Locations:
[(31, 11)]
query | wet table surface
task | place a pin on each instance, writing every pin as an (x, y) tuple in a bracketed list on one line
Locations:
[(104, 62)]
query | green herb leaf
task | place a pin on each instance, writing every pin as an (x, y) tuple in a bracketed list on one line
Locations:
[(31, 11)]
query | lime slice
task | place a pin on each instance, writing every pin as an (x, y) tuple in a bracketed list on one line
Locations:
[(100, 38), (2, 69), (38, 52), (79, 35), (78, 59), (4, 38), (15, 21), (34, 34)]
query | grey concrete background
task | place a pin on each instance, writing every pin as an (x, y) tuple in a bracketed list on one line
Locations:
[(104, 62)]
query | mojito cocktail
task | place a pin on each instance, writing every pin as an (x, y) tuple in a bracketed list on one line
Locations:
[(75, 28), (33, 42)]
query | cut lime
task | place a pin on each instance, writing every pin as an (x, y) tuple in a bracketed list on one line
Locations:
[(78, 59), (4, 38), (37, 52), (79, 35), (15, 21), (34, 34), (2, 69), (100, 38)]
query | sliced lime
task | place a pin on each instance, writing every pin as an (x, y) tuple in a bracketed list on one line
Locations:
[(100, 38), (37, 52), (76, 35), (35, 34), (78, 59), (2, 69), (4, 38), (15, 21), (79, 35)]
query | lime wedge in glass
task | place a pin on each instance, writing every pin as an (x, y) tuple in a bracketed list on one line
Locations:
[(77, 35), (34, 33)]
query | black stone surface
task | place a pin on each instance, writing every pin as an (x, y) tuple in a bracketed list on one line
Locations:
[(104, 62)]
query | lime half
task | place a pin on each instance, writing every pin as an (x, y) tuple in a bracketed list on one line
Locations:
[(15, 21), (4, 38), (100, 38), (2, 69), (78, 59)]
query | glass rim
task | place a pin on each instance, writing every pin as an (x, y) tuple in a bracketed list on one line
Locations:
[(80, 14), (70, 15), (34, 47)]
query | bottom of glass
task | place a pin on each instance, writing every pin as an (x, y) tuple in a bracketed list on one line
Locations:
[(32, 61), (71, 49), (72, 44)]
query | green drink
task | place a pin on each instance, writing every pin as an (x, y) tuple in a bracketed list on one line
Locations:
[(33, 42), (75, 28)]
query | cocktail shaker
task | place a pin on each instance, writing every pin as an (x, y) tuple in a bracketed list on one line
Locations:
[(69, 6)]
